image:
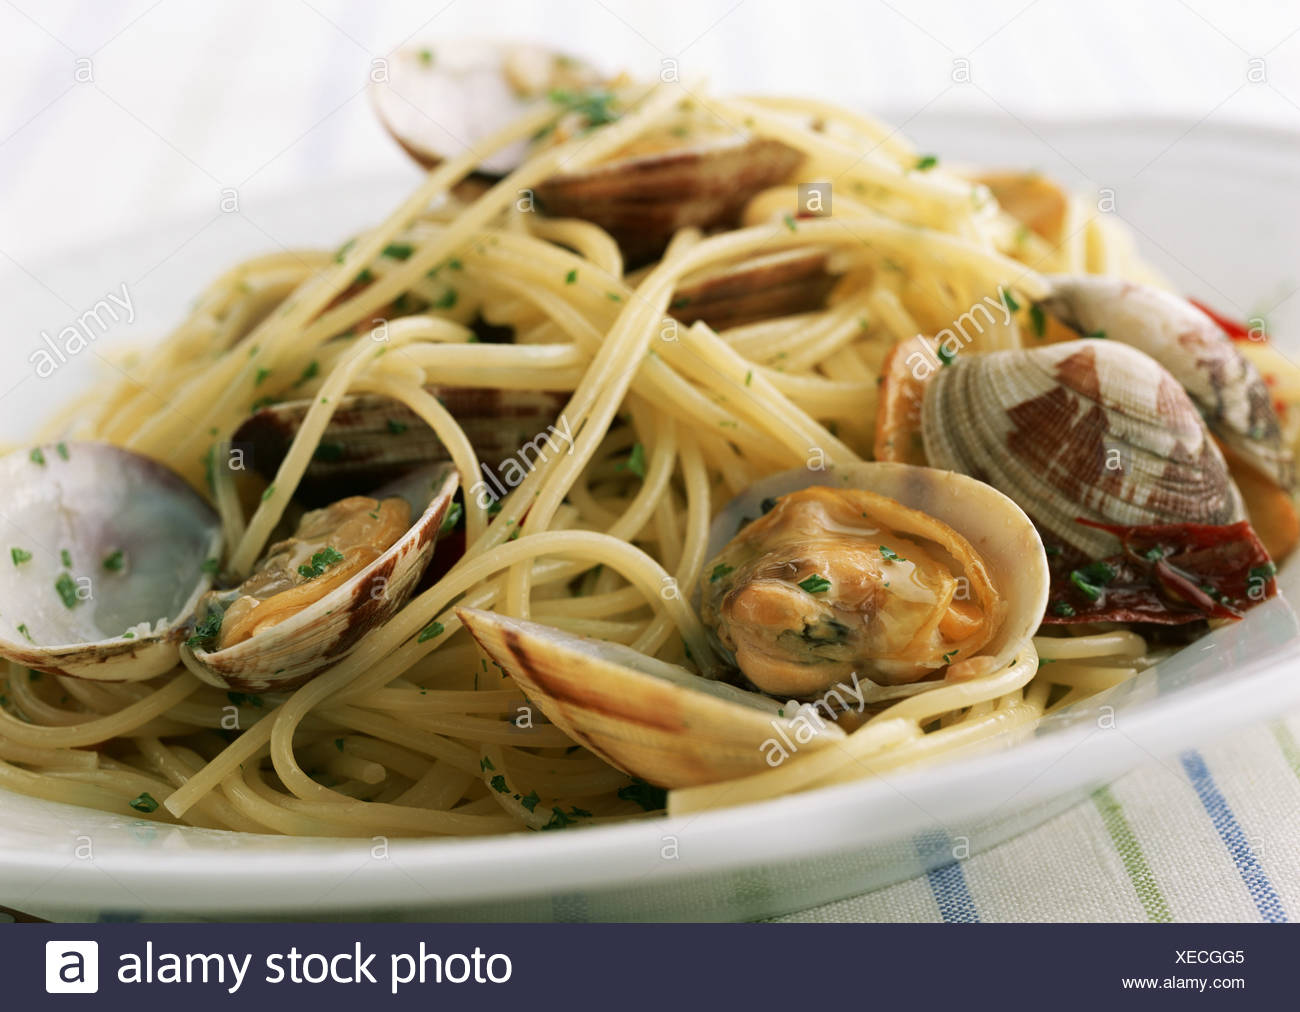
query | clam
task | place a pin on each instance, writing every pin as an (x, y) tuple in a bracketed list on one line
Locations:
[(371, 439), (1085, 429), (695, 171), (858, 584), (1224, 384), (757, 288), (107, 554), (347, 569), (439, 100)]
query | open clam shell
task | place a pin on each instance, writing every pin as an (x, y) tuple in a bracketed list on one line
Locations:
[(106, 554), (696, 173), (649, 718), (295, 650), (371, 439), (1092, 429), (998, 530), (1224, 384), (440, 98)]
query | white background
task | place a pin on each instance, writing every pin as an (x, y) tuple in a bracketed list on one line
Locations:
[(190, 96)]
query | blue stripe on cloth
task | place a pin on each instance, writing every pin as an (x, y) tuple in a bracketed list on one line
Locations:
[(1216, 806), (947, 881)]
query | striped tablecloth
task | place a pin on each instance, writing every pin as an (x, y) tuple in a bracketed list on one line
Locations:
[(126, 112), (1209, 835)]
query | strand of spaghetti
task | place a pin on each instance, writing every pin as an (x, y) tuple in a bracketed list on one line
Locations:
[(120, 724), (635, 566), (888, 139), (1120, 643)]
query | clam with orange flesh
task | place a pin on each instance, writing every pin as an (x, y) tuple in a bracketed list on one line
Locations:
[(346, 570), (808, 606)]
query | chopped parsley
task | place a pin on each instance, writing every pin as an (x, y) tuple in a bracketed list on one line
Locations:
[(62, 448), (560, 819), (947, 657), (1037, 320), (67, 591), (270, 491), (1009, 300), (37, 457), (613, 297), (19, 556), (261, 376), (635, 461), (426, 57), (211, 565), (312, 370), (571, 277), (485, 764), (719, 571), (593, 105), (320, 561), (430, 631), (26, 635), (890, 554), (145, 802), (338, 744), (450, 522), (446, 300), (399, 250), (815, 584), (396, 427), (206, 631), (65, 557), (1063, 609), (1099, 335), (530, 800), (926, 162), (1265, 572), (749, 377), (114, 561), (790, 222), (498, 784), (945, 356)]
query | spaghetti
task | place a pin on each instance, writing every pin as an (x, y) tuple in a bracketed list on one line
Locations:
[(413, 733)]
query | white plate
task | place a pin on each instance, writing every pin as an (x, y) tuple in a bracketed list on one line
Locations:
[(1217, 212)]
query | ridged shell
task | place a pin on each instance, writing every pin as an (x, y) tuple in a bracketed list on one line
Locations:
[(651, 719), (371, 439), (1090, 428), (758, 288), (303, 646), (93, 500), (1224, 384), (643, 201)]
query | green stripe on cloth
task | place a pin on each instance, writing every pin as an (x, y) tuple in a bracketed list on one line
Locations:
[(1130, 852), (1286, 742)]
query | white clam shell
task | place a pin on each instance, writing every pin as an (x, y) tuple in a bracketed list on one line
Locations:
[(1090, 428), (303, 646), (92, 500)]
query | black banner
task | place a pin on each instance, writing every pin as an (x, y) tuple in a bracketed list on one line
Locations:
[(647, 966)]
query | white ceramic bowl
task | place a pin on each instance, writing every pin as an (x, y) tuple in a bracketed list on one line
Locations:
[(1217, 211)]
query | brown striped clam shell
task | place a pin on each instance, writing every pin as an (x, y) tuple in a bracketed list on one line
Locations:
[(1092, 429), (371, 439), (649, 718), (758, 288)]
